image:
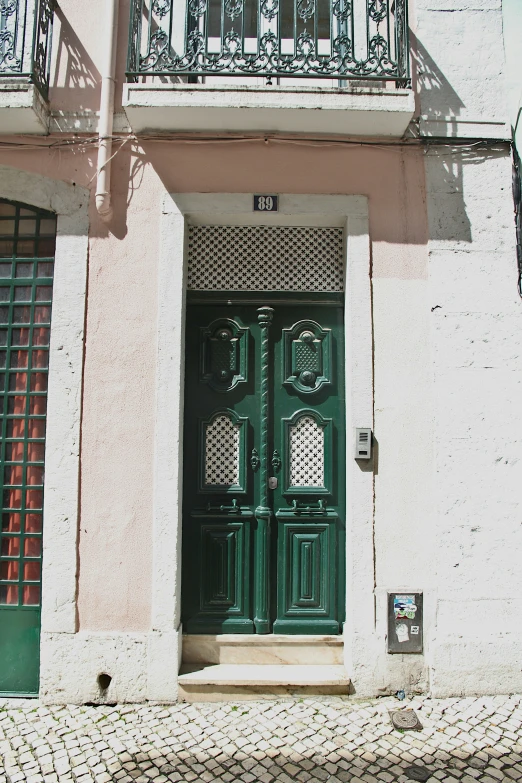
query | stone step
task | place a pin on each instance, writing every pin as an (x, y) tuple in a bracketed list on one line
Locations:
[(240, 682), (265, 650)]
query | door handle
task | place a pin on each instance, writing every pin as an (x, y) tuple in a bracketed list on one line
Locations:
[(272, 482), (300, 508), (233, 509)]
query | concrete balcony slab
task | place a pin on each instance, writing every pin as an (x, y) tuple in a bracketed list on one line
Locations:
[(353, 111), (22, 109)]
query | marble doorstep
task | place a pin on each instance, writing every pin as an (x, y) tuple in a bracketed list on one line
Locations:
[(221, 682), (247, 674), (272, 649)]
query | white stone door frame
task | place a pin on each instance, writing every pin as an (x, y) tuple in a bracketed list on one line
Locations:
[(179, 211)]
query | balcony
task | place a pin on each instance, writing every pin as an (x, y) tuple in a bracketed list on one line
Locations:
[(288, 66), (25, 54)]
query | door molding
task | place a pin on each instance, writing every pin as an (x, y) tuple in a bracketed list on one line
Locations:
[(179, 211)]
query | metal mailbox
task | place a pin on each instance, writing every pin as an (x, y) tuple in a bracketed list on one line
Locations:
[(405, 620)]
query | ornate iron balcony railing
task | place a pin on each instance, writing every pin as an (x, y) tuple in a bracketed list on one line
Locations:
[(339, 39), (25, 41)]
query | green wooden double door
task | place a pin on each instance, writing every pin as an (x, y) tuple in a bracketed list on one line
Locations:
[(264, 467)]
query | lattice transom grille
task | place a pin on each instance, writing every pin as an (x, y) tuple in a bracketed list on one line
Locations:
[(265, 258), (306, 453), (222, 452)]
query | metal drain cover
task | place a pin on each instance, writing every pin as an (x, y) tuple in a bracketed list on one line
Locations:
[(405, 719), (417, 773)]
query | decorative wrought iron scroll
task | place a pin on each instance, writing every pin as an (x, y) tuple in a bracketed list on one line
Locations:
[(12, 28), (25, 40), (340, 39), (42, 45)]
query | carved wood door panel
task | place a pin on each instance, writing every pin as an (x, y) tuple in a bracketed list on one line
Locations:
[(264, 440)]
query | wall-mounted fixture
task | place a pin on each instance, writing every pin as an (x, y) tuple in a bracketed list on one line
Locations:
[(363, 443), (405, 615)]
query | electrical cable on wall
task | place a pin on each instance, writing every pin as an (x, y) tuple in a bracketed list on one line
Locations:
[(422, 142)]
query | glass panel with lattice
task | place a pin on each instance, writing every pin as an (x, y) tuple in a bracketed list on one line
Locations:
[(306, 453), (222, 447), (27, 240)]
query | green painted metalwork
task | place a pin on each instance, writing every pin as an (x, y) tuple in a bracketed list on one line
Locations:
[(270, 558), (27, 239), (25, 40), (517, 198), (270, 38)]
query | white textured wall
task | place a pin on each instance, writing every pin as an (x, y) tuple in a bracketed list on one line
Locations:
[(459, 68), (404, 467), (474, 635), (477, 364)]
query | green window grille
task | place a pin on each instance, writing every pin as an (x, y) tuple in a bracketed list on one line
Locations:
[(27, 245)]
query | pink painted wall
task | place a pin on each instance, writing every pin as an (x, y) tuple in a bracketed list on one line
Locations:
[(115, 551)]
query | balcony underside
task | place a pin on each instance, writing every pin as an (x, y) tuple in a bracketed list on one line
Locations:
[(22, 109), (369, 111)]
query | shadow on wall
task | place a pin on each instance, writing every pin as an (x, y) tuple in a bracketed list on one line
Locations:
[(438, 102), (75, 75), (447, 166), (128, 168)]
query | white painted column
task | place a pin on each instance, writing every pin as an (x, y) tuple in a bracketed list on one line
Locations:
[(164, 646), (359, 629)]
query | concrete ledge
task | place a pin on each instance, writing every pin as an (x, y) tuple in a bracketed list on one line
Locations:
[(370, 111), (22, 109)]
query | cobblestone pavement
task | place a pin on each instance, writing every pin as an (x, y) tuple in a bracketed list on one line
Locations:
[(313, 739)]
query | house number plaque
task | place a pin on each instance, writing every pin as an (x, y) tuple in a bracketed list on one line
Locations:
[(266, 204)]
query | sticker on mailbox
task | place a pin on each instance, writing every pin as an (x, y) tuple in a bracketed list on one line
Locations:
[(404, 606)]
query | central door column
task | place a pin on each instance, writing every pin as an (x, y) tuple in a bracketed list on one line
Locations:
[(263, 513)]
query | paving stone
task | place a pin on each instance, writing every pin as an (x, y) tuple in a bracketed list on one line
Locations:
[(309, 740)]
